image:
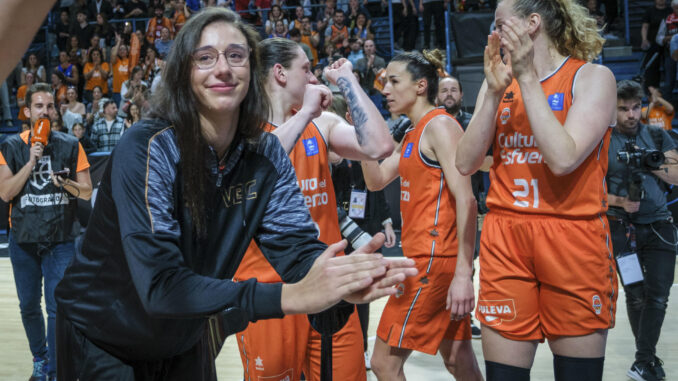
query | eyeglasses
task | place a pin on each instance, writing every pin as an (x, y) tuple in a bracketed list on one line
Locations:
[(236, 55)]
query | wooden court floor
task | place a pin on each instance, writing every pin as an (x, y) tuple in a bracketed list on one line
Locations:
[(15, 358)]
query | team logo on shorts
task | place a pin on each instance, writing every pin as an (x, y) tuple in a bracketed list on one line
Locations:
[(505, 115), (259, 363), (400, 290), (495, 312), (597, 304)]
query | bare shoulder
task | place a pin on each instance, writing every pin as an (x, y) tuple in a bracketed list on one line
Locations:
[(594, 76)]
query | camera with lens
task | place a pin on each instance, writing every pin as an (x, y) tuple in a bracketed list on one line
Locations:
[(356, 236), (641, 158)]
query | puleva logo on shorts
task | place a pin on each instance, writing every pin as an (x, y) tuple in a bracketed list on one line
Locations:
[(400, 290), (505, 115), (597, 304), (311, 146), (556, 101), (495, 312), (408, 150)]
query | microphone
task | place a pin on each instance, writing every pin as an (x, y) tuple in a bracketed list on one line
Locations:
[(41, 131)]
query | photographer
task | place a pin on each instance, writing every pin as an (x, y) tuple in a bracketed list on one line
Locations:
[(643, 235), (43, 209)]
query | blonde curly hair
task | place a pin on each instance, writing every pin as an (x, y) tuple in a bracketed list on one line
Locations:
[(568, 24)]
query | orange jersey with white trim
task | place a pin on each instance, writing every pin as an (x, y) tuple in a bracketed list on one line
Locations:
[(520, 179), (310, 160), (427, 207)]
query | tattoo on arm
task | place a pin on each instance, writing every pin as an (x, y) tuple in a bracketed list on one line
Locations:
[(358, 115)]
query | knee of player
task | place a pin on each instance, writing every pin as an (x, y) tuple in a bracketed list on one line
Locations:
[(381, 368)]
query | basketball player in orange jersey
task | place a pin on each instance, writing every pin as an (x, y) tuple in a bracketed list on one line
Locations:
[(546, 268), (284, 348), (438, 228)]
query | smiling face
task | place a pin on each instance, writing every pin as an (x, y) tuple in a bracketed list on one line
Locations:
[(221, 88), (400, 90)]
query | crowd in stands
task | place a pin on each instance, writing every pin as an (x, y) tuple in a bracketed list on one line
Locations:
[(115, 49)]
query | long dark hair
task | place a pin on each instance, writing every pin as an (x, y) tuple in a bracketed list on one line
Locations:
[(424, 65), (175, 102)]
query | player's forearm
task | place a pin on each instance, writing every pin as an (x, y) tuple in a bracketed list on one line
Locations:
[(80, 190), (467, 216), (289, 132), (475, 142), (370, 127)]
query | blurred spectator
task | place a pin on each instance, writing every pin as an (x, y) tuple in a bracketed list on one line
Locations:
[(275, 15), (310, 37), (62, 29), (164, 43), (68, 70), (593, 6), (72, 111), (337, 33), (369, 66), (326, 14), (328, 58), (354, 9), (93, 108), (134, 84), (356, 52), (193, 5), (450, 95), (133, 115), (33, 65), (180, 15), (75, 54), (97, 7), (59, 87), (95, 43), (152, 64), (298, 18), (105, 30), (78, 131), (433, 9), (121, 66), (659, 112), (106, 131), (155, 25), (667, 29), (280, 30), (295, 36), (77, 6), (57, 124), (81, 29), (118, 9), (21, 95), (4, 103), (651, 21), (135, 9), (362, 29), (96, 73)]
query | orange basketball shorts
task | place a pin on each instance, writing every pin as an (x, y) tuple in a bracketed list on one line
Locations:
[(415, 318), (543, 276)]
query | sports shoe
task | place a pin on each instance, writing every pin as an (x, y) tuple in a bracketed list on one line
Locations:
[(475, 330), (39, 370), (658, 369), (642, 372), (368, 364)]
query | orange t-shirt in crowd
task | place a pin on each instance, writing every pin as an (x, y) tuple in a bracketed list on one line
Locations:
[(97, 79), (657, 117), (521, 180), (427, 206), (178, 20), (21, 94), (121, 71), (307, 40)]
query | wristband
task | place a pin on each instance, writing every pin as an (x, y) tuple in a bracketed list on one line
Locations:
[(386, 222)]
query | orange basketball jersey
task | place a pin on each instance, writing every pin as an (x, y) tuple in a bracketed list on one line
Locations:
[(310, 161), (521, 180), (429, 222)]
